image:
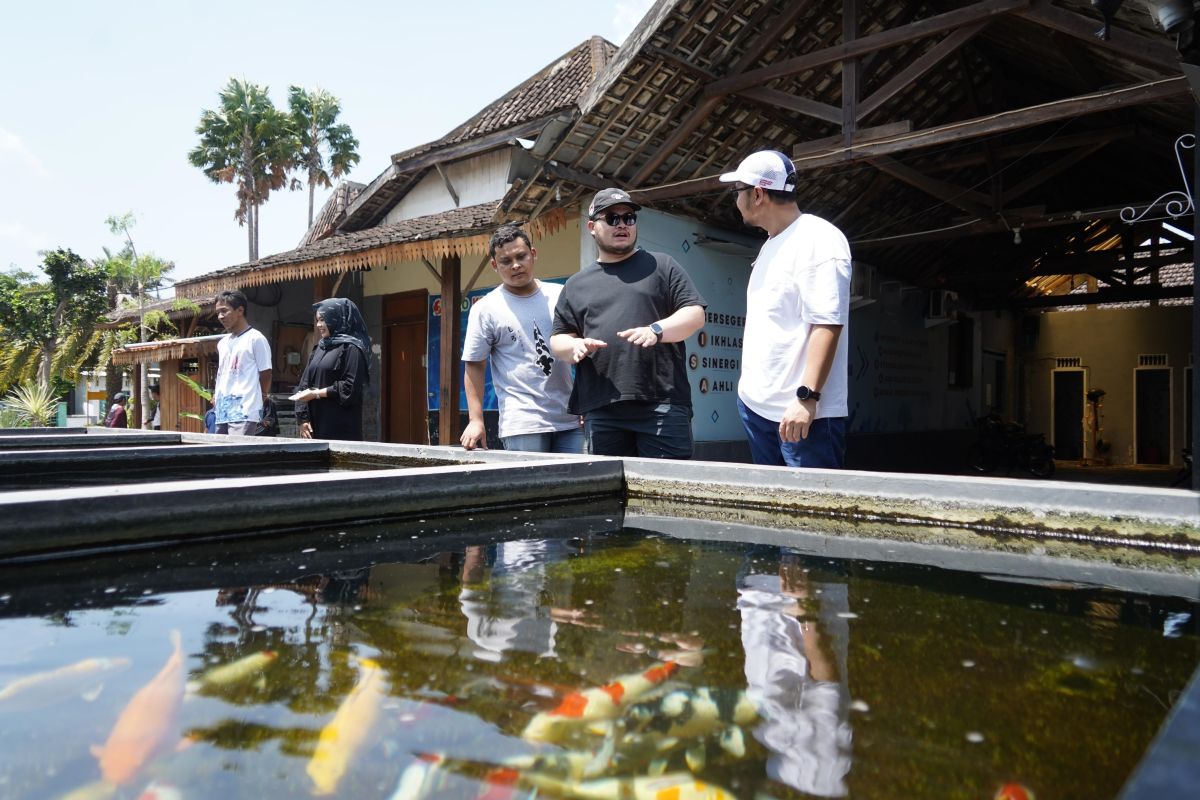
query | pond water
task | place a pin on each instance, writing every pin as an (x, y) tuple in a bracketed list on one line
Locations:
[(463, 660)]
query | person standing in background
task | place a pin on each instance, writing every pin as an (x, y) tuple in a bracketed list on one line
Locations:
[(330, 392), (243, 369)]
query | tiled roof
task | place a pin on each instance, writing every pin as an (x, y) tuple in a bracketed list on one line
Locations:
[(339, 252), (332, 212), (556, 86)]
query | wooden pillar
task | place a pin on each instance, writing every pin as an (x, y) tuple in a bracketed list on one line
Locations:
[(134, 414), (322, 287), (451, 368)]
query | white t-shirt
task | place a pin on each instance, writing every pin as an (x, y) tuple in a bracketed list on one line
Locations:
[(238, 395), (532, 386), (801, 278)]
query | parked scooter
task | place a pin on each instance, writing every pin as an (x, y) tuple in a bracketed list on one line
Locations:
[(1006, 444)]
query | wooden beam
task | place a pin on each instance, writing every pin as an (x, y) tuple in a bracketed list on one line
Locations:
[(451, 365), (861, 136), (1152, 52), (437, 276), (754, 51), (930, 59), (483, 262), (561, 171), (851, 72), (930, 26), (449, 186), (1048, 172), (1104, 261), (968, 200), (790, 102), (454, 152), (1003, 122), (338, 284), (1026, 149)]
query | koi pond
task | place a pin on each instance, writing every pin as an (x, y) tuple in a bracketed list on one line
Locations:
[(563, 653)]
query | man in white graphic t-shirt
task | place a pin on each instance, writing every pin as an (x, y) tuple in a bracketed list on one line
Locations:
[(510, 326), (793, 386), (243, 369)]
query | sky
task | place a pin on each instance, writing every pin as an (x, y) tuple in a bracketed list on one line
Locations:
[(100, 101)]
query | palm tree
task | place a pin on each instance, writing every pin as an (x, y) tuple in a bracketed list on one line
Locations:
[(247, 141), (314, 118)]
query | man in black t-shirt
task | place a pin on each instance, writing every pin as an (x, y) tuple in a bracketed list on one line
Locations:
[(622, 321)]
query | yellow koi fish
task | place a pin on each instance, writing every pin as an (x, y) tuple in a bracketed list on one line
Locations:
[(604, 702), (341, 739), (96, 790), (672, 786), (46, 688), (147, 722), (233, 672)]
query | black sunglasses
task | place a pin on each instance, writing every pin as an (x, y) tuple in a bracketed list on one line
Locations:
[(612, 218), (737, 189)]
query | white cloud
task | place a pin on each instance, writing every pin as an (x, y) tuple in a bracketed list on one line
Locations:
[(13, 148), (627, 15), (16, 234)]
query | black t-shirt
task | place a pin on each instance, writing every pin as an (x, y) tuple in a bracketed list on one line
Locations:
[(602, 299)]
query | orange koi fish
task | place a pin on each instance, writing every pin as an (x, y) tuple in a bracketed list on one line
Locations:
[(671, 786), (341, 739), (1014, 791), (604, 702), (146, 723)]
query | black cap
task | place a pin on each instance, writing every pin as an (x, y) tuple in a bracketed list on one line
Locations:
[(606, 198)]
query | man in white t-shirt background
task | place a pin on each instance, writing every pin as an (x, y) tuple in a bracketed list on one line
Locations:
[(793, 386), (510, 326), (243, 369)]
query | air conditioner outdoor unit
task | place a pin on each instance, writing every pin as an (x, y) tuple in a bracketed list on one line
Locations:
[(864, 285)]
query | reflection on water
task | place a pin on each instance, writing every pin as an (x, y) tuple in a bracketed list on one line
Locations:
[(516, 656)]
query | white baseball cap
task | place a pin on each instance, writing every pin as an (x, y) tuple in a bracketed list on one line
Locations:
[(766, 169)]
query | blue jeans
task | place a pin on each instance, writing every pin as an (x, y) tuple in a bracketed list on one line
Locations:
[(825, 447), (568, 441), (634, 428)]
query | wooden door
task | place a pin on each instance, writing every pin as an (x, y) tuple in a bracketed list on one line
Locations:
[(1068, 393), (405, 398)]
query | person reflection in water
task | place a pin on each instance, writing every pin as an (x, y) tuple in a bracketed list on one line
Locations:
[(505, 603), (795, 645)]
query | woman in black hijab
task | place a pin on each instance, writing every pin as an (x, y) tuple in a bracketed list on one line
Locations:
[(329, 394)]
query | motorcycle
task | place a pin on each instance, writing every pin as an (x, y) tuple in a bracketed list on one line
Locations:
[(1006, 444)]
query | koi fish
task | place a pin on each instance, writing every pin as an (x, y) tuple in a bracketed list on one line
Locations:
[(419, 778), (156, 790), (146, 723), (671, 786), (1014, 791), (46, 688), (688, 714), (96, 790), (233, 672), (604, 702), (341, 739)]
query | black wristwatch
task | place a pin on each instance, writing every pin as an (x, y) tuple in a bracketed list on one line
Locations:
[(805, 393), (656, 329)]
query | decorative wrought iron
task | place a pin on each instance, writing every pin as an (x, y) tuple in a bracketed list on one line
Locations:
[(1176, 203)]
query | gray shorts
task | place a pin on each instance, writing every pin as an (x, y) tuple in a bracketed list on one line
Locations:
[(244, 428)]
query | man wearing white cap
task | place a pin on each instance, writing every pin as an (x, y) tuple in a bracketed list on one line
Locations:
[(622, 321), (793, 386)]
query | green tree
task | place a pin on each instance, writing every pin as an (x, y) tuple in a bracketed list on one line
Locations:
[(326, 149), (44, 316), (249, 142)]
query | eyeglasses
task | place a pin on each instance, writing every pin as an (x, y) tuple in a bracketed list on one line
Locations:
[(739, 189), (612, 219)]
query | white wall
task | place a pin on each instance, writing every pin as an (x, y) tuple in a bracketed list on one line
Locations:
[(477, 180)]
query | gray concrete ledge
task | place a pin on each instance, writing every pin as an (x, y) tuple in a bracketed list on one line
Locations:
[(108, 439), (60, 520), (42, 431), (1168, 518), (156, 456), (1028, 567), (1171, 766)]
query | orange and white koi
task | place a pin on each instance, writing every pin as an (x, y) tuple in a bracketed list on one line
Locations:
[(46, 688), (604, 702), (1014, 791), (234, 672), (419, 778), (157, 790), (350, 727), (699, 712), (147, 723), (671, 786)]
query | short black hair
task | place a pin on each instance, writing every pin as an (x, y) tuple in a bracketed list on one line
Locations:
[(781, 195), (232, 298), (506, 233)]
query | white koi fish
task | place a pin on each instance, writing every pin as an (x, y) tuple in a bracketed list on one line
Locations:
[(96, 790), (46, 688), (419, 778), (350, 727), (233, 672), (671, 786), (689, 714), (147, 723), (604, 702)]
